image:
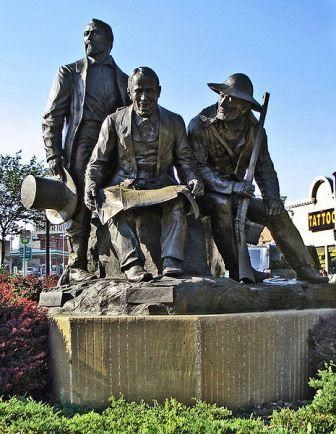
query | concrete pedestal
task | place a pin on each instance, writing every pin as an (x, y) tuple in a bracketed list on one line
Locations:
[(233, 360)]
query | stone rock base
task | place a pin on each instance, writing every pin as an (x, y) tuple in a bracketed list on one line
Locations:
[(234, 360), (189, 295)]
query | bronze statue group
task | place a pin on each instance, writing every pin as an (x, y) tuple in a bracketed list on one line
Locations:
[(118, 138)]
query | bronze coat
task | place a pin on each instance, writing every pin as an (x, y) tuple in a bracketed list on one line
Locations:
[(113, 158), (218, 170), (65, 103)]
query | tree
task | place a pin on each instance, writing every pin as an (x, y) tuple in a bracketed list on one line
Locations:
[(12, 173)]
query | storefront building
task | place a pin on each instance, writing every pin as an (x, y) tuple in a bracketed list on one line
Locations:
[(315, 219), (36, 261)]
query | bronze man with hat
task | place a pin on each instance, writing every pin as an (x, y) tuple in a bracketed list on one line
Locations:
[(83, 94), (222, 137)]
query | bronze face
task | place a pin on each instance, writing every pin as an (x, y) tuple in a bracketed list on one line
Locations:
[(96, 41), (144, 93), (231, 108)]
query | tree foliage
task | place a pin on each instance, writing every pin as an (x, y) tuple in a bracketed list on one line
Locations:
[(12, 173)]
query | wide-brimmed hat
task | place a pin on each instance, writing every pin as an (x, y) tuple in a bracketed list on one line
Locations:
[(57, 197), (239, 86)]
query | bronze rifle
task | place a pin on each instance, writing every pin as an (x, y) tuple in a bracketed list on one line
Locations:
[(245, 269)]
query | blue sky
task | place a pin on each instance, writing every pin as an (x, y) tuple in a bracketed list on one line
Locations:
[(287, 48)]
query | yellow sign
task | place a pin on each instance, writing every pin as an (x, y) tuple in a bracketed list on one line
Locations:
[(321, 220)]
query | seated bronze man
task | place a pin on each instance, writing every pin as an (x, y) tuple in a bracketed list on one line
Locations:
[(222, 137), (141, 145)]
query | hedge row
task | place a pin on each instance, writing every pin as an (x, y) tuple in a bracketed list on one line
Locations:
[(23, 338), (28, 287), (23, 416)]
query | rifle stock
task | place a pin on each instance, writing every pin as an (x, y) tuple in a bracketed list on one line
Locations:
[(245, 269)]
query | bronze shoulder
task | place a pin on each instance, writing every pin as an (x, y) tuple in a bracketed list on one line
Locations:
[(204, 119)]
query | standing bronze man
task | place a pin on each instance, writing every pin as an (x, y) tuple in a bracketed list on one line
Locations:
[(222, 137), (83, 94), (147, 142)]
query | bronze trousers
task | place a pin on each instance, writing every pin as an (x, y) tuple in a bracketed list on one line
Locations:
[(125, 240), (221, 209), (78, 228)]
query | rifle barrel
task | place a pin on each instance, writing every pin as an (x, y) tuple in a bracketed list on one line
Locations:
[(245, 269)]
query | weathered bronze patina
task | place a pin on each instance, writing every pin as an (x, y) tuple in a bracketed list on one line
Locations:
[(222, 137), (147, 142), (83, 94)]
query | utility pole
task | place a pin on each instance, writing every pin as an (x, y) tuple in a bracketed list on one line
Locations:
[(47, 247)]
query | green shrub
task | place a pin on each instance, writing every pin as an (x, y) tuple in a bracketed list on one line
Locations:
[(169, 417), (304, 420), (325, 397), (88, 423), (246, 426), (25, 416), (318, 417)]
